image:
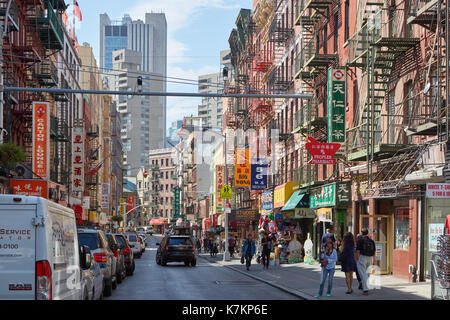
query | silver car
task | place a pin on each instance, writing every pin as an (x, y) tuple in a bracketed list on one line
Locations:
[(96, 240), (135, 244), (91, 276)]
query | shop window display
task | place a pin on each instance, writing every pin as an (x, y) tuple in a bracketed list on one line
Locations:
[(402, 229)]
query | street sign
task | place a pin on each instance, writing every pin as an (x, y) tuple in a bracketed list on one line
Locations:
[(323, 153), (226, 192), (176, 210), (336, 106)]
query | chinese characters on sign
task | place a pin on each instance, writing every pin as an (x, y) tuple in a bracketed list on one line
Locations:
[(176, 204), (220, 182), (130, 203), (77, 159), (37, 188), (336, 105), (105, 195), (242, 176), (330, 195), (259, 174), (41, 139), (267, 200), (323, 153)]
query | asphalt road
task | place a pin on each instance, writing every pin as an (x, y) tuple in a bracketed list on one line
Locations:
[(205, 281)]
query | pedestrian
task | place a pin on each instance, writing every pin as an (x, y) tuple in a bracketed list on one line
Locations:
[(328, 260), (205, 244), (365, 250), (248, 250), (198, 245), (231, 245), (348, 263), (266, 243), (326, 236), (360, 286)]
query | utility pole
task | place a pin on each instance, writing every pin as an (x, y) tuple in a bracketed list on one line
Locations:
[(226, 254)]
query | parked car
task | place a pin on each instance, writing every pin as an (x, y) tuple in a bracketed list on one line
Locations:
[(135, 244), (150, 231), (91, 275), (39, 250), (143, 242), (120, 260), (176, 248), (127, 253), (98, 243)]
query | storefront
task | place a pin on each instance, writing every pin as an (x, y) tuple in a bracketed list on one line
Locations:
[(437, 204), (332, 205), (243, 222)]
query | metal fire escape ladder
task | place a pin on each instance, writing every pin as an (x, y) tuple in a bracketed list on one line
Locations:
[(393, 173)]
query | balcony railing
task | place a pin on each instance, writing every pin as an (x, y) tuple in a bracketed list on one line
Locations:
[(307, 116), (51, 29), (310, 56), (47, 74)]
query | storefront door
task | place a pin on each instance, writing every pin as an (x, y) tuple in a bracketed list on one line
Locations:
[(382, 235)]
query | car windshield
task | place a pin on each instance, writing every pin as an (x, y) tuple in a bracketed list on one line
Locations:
[(89, 239), (180, 241), (132, 238), (121, 241)]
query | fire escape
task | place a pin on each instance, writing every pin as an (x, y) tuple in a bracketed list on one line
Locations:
[(379, 50), (311, 65), (154, 192), (428, 109)]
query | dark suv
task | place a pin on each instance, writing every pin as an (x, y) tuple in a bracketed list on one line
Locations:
[(176, 248), (120, 263), (127, 253)]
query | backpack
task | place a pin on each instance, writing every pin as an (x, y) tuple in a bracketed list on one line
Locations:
[(368, 247)]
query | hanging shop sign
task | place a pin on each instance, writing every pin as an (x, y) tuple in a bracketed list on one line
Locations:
[(325, 214), (242, 175), (37, 188), (259, 174), (304, 213), (330, 195), (247, 215), (220, 182), (77, 159), (438, 190), (176, 204), (86, 202), (322, 153), (122, 205), (282, 194), (41, 139), (267, 200), (105, 196), (336, 105), (130, 203)]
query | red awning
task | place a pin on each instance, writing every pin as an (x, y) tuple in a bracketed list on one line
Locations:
[(157, 221)]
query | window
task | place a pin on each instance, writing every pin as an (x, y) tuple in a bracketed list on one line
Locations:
[(402, 229), (167, 175), (347, 19), (336, 33)]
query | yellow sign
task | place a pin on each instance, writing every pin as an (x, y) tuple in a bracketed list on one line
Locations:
[(282, 194), (243, 169), (226, 192), (325, 214), (122, 205)]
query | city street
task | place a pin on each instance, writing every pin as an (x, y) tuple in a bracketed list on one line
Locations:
[(206, 281)]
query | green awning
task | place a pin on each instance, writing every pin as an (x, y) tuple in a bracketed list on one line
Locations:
[(298, 199)]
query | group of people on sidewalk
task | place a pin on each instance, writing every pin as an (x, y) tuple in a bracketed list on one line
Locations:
[(353, 259)]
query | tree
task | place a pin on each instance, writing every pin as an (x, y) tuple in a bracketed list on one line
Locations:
[(10, 154)]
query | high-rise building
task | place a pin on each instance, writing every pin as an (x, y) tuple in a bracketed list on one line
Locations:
[(211, 109), (149, 38), (143, 122)]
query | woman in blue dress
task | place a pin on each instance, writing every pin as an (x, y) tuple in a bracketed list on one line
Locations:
[(348, 262)]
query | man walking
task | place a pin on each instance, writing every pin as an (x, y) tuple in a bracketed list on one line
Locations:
[(248, 251), (326, 236), (266, 243), (231, 245), (365, 250)]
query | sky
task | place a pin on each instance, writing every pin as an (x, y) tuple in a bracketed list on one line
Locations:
[(197, 31)]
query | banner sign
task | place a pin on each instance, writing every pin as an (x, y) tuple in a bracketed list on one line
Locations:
[(176, 204), (434, 231), (336, 105), (244, 215), (130, 202), (41, 139), (325, 214), (259, 174), (77, 159), (323, 153), (220, 182), (438, 190), (105, 196), (267, 200), (122, 205), (330, 195), (242, 176), (86, 202), (37, 188)]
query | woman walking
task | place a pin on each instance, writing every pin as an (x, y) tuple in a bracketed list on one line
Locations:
[(328, 262), (348, 260)]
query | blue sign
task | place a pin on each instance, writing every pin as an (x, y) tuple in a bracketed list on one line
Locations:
[(259, 174), (267, 200)]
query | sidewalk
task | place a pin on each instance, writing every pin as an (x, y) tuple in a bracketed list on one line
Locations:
[(303, 281)]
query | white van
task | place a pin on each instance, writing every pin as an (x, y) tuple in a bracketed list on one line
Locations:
[(39, 250)]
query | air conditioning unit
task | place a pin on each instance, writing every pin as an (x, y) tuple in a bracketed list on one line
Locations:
[(23, 170)]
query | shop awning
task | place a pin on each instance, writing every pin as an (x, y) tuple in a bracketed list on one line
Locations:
[(157, 221), (297, 200)]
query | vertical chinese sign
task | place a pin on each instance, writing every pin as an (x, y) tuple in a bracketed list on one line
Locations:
[(130, 203), (336, 106), (259, 174), (41, 139), (176, 204), (77, 159), (105, 196), (242, 175), (220, 182)]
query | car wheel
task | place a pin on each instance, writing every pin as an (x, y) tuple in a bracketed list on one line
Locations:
[(194, 262), (158, 261), (107, 291)]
